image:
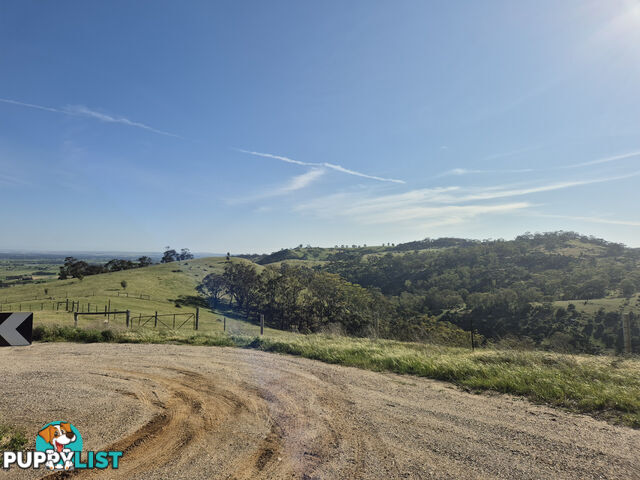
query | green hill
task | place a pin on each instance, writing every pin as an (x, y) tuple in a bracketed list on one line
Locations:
[(557, 290), (164, 288)]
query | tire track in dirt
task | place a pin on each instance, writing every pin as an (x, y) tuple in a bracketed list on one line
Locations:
[(194, 407)]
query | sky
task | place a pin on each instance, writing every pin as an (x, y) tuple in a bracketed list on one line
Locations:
[(253, 126)]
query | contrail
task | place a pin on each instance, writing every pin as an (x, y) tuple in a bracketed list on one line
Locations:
[(82, 111), (332, 166), (604, 160)]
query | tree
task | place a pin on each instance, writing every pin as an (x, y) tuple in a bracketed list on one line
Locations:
[(213, 287), (169, 255), (241, 281), (117, 265), (145, 261), (628, 287), (123, 283), (185, 254)]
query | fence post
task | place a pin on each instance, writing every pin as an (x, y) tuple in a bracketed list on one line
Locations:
[(67, 305), (626, 332), (174, 321), (197, 317), (155, 323), (109, 310), (473, 346), (224, 325), (75, 320), (261, 324), (139, 318), (128, 314)]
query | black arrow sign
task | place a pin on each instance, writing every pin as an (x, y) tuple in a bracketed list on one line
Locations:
[(15, 329)]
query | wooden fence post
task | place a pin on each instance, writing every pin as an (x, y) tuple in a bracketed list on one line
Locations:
[(261, 324), (197, 317), (155, 323), (626, 332), (473, 345), (224, 325), (109, 310), (75, 320), (67, 305), (128, 315)]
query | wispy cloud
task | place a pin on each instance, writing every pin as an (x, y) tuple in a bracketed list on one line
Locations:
[(613, 158), (332, 166), (82, 111), (413, 206), (608, 221), (466, 171), (294, 184), (301, 181), (435, 204), (495, 192)]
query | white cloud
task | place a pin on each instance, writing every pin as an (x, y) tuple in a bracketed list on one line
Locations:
[(82, 111), (295, 183), (604, 160), (332, 166), (301, 181), (466, 171), (613, 158), (451, 204), (608, 221)]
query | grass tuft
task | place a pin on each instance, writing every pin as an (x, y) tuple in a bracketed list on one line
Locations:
[(11, 439)]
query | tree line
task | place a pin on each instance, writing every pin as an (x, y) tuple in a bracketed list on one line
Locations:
[(74, 268), (305, 300), (501, 289)]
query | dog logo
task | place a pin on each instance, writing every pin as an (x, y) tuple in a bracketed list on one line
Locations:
[(63, 439)]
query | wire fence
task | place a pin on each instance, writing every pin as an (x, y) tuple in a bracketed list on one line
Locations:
[(33, 299), (173, 321)]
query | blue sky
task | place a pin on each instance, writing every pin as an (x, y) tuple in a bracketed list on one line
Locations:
[(251, 126)]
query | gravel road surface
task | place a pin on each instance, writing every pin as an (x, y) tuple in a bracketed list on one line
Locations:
[(183, 412)]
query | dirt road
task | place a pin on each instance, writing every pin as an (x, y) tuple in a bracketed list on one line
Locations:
[(209, 413)]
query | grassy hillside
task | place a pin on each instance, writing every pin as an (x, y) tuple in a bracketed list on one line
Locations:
[(166, 288)]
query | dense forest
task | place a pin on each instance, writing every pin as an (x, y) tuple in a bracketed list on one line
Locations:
[(501, 289)]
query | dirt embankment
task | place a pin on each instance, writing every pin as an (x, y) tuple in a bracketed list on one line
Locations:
[(208, 413)]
